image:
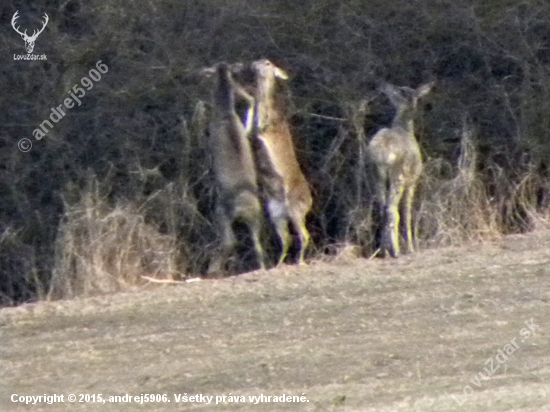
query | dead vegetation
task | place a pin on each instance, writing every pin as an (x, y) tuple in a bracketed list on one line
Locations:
[(138, 133), (101, 249), (394, 336)]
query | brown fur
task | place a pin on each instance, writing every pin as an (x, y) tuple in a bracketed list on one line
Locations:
[(397, 164), (283, 178)]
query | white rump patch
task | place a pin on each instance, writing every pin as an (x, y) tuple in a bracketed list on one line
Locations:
[(276, 209)]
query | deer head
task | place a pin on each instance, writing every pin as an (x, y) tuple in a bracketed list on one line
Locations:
[(405, 96), (29, 40), (405, 100), (267, 70)]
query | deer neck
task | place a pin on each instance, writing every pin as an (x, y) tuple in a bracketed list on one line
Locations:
[(224, 96), (266, 107), (404, 119)]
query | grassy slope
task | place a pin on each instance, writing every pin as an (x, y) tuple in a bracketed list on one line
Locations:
[(361, 335)]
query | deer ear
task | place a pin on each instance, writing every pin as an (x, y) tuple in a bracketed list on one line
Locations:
[(280, 73), (393, 93), (424, 89), (389, 89), (207, 72), (237, 67)]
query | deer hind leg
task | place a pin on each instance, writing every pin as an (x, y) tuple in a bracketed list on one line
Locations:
[(227, 245), (279, 217), (249, 211), (299, 222), (391, 228), (379, 196), (407, 215), (255, 228)]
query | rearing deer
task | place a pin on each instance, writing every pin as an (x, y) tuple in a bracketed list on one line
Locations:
[(288, 192), (235, 173), (395, 157)]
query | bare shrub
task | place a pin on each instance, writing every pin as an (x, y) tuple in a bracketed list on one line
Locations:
[(517, 194), (138, 132), (458, 209), (19, 279), (99, 249)]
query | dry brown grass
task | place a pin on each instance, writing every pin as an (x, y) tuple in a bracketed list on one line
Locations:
[(458, 209), (101, 249), (476, 205), (382, 335), (464, 196)]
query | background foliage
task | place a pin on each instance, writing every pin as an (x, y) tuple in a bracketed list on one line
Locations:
[(125, 176)]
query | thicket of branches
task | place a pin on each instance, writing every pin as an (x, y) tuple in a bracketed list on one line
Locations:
[(121, 187)]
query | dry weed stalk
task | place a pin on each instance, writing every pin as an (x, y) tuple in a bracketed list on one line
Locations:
[(100, 249)]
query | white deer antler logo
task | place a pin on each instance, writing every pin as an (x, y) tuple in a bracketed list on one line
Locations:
[(29, 40)]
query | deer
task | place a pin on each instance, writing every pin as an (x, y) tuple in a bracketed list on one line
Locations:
[(396, 163), (29, 40), (289, 198), (234, 167)]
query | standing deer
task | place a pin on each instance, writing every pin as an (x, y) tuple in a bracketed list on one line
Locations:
[(234, 169), (287, 191), (395, 157), (29, 40)]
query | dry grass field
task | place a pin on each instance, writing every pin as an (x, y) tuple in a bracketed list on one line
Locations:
[(350, 334)]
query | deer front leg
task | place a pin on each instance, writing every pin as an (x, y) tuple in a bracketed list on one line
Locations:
[(249, 119)]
